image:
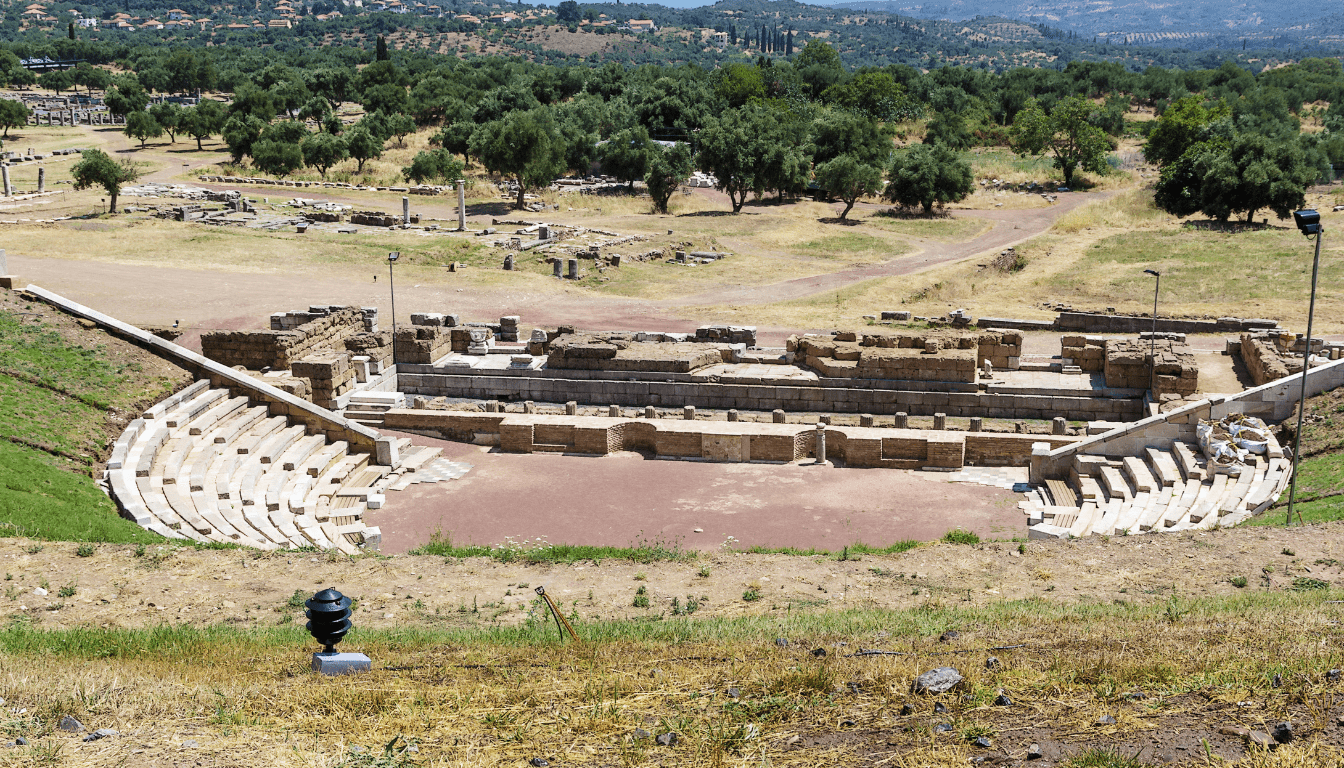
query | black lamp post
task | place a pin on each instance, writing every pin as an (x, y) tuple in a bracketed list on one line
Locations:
[(328, 615), (392, 286), (1152, 342), (1309, 222)]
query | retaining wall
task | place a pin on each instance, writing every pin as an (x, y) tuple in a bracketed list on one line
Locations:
[(1272, 402), (315, 419), (724, 441), (836, 396)]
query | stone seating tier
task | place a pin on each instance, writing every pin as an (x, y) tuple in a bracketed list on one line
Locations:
[(204, 466)]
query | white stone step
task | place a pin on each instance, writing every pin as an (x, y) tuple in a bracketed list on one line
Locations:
[(1163, 466), (1138, 474)]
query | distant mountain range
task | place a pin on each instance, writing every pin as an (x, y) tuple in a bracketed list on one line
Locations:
[(1147, 22)]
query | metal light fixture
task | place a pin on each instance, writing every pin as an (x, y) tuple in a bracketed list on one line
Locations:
[(392, 286), (1152, 345), (1309, 222), (328, 615)]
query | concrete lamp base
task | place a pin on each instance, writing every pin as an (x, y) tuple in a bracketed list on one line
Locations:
[(332, 664)]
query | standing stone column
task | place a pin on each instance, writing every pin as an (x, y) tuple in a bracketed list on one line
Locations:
[(865, 419), (732, 414), (405, 211), (688, 413), (41, 180), (4, 267), (902, 420), (940, 421), (778, 416), (1060, 426), (571, 408), (614, 411), (573, 269), (508, 262), (461, 205), (649, 412), (821, 443), (977, 424), (529, 407), (4, 173), (558, 269)]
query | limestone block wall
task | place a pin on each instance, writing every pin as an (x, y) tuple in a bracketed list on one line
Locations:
[(834, 396), (329, 376), (279, 349), (1270, 356), (724, 441), (933, 356), (591, 352), (424, 343), (1086, 352), (1128, 366)]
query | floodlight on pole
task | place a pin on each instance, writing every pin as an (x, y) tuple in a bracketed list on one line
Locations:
[(392, 286), (1309, 222), (1152, 341)]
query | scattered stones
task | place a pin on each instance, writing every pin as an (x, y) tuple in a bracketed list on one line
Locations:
[(937, 680), (40, 592), (1106, 720), (942, 728), (20, 742), (101, 733), (70, 725), (668, 739), (1002, 701), (782, 642), (538, 762), (983, 742), (640, 734), (1282, 732), (1034, 751), (190, 744), (1235, 730), (940, 708), (847, 723), (1261, 739), (1276, 681), (734, 693), (907, 710), (819, 652), (1333, 675), (993, 663), (949, 636)]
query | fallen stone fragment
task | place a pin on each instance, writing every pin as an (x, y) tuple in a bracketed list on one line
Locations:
[(70, 725), (101, 733), (938, 680), (1002, 701), (993, 663), (1034, 751), (1105, 720), (668, 739), (1282, 732)]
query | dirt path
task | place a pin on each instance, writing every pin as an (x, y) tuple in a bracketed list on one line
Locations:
[(1008, 227)]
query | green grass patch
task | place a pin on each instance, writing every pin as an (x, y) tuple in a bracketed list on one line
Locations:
[(851, 551), (542, 552), (42, 501), (187, 644)]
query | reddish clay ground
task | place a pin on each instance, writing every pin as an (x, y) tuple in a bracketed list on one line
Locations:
[(621, 499)]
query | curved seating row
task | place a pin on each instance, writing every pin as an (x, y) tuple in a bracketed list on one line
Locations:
[(1160, 491), (204, 466)]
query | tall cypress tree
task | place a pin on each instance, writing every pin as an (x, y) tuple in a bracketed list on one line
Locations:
[(788, 44), (380, 49), (732, 33)]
